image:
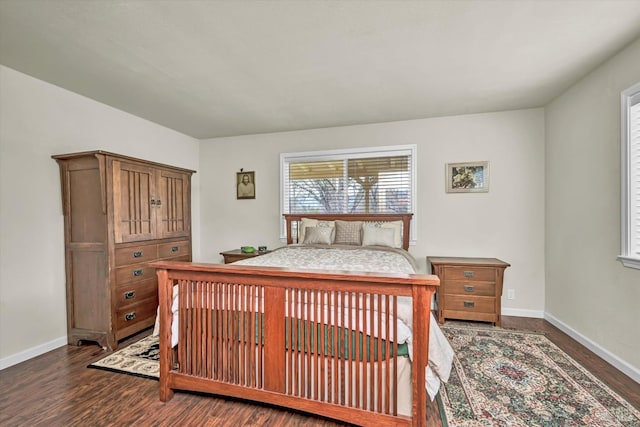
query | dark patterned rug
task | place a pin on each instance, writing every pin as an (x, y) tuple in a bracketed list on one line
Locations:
[(508, 378), (139, 359)]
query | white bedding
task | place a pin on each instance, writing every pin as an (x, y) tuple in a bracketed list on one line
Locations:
[(359, 259)]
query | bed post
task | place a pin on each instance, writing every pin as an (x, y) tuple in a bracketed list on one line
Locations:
[(274, 339), (421, 309), (165, 293), (406, 221), (289, 235)]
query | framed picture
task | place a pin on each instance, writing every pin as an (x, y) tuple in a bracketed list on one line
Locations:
[(246, 185), (469, 177)]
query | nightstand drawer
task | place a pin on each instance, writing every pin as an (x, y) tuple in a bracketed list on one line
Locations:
[(471, 303), (470, 273), (469, 288), (237, 255), (229, 259)]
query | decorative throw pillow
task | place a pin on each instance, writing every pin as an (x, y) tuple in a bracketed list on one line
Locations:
[(302, 226), (396, 226), (378, 236), (317, 235), (348, 233), (310, 222)]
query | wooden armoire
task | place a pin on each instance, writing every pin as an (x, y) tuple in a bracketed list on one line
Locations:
[(120, 214)]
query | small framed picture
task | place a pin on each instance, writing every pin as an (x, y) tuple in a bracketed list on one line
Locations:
[(246, 185), (469, 177)]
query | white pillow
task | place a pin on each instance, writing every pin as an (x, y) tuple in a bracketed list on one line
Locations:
[(396, 226), (378, 236)]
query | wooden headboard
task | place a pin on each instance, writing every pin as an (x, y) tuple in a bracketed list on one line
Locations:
[(405, 218)]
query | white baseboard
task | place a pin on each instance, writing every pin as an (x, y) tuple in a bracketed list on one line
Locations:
[(517, 312), (32, 352), (621, 365)]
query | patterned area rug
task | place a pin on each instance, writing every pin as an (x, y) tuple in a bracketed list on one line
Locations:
[(508, 378), (139, 359)]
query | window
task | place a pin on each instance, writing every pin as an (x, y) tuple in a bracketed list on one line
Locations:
[(630, 256), (365, 180)]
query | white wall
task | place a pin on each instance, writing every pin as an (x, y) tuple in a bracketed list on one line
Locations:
[(38, 120), (506, 223), (588, 290)]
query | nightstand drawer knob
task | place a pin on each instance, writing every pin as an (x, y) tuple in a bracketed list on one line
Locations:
[(468, 274), (174, 249), (137, 254), (129, 294), (130, 316), (468, 288), (138, 272), (469, 304)]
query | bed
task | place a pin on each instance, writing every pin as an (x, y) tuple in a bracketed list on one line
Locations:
[(336, 323)]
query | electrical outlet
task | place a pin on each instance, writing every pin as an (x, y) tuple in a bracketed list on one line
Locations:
[(511, 294)]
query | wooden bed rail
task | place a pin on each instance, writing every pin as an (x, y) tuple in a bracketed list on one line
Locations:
[(317, 341)]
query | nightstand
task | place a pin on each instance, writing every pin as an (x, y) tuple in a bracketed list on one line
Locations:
[(237, 255), (470, 288)]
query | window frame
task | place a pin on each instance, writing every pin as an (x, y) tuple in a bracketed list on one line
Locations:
[(628, 188), (362, 152)]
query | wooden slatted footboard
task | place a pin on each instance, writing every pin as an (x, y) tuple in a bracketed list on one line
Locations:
[(321, 342)]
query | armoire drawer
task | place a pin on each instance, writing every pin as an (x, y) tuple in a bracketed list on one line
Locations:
[(134, 273), (140, 312), (135, 254), (470, 273), (134, 292), (173, 249), (468, 288)]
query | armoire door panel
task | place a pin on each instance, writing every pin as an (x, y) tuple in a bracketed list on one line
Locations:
[(134, 202), (173, 208)]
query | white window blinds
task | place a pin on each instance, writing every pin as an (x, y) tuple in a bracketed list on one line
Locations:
[(631, 177), (366, 180)]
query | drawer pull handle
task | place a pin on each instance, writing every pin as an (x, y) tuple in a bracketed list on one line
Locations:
[(137, 254), (153, 202), (468, 274), (129, 294), (469, 303), (130, 316), (138, 272), (468, 288), (174, 249), (158, 202)]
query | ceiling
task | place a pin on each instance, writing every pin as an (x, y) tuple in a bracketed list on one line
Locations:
[(223, 68)]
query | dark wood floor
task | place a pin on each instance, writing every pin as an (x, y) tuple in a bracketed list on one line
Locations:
[(56, 389)]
